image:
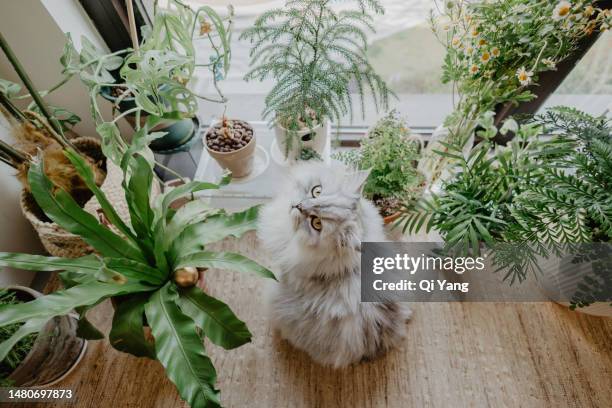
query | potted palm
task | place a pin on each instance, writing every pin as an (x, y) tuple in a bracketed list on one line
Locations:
[(315, 55), (151, 265)]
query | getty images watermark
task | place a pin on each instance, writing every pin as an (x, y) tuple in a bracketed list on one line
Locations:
[(421, 272)]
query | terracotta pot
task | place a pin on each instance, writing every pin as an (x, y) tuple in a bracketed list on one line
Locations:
[(290, 143), (239, 162), (55, 353)]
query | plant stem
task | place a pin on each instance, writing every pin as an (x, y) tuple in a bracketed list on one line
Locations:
[(169, 170), (126, 113), (48, 128), (132, 23), (11, 153), (28, 83), (10, 108)]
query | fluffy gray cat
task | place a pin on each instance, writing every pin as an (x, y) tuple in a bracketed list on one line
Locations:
[(313, 230)]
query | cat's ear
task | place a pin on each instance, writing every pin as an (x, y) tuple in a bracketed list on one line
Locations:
[(358, 179)]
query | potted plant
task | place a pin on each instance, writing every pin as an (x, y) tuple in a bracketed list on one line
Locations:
[(36, 135), (155, 73), (232, 144), (539, 202), (567, 214), (150, 264), (473, 205), (495, 53), (315, 55), (28, 359), (391, 152)]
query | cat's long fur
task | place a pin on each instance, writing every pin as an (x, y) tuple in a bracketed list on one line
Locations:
[(316, 303)]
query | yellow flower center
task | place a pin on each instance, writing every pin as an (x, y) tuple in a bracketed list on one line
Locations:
[(564, 11)]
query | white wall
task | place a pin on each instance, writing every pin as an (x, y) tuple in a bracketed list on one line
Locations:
[(16, 233), (35, 31)]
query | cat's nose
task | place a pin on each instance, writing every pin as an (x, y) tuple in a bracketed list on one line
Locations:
[(299, 207)]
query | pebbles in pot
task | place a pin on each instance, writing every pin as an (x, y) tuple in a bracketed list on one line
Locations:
[(229, 136)]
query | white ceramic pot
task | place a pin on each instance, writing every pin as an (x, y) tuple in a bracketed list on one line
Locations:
[(436, 168), (560, 280), (290, 143), (55, 353)]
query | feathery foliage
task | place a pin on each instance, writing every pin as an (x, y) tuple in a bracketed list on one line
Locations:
[(315, 55), (572, 199), (390, 152), (474, 205), (545, 194), (20, 351)]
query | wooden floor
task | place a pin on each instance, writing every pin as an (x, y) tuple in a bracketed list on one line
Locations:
[(456, 355)]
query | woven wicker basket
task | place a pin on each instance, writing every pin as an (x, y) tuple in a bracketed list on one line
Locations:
[(56, 240)]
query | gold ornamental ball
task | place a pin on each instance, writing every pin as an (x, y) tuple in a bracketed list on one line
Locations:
[(186, 277)]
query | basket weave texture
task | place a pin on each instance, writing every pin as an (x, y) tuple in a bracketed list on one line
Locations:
[(56, 240)]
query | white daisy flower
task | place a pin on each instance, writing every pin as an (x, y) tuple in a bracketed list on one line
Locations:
[(469, 49), (549, 63), (524, 76), (562, 10)]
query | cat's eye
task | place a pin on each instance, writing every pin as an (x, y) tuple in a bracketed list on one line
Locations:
[(315, 222), (316, 191)]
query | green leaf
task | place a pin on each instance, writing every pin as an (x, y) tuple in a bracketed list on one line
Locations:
[(224, 260), (136, 271), (9, 88), (143, 102), (161, 210), (137, 193), (127, 333), (33, 325), (62, 302), (111, 140), (192, 212), (88, 177), (62, 209), (215, 228), (216, 319), (89, 263), (85, 329), (180, 350)]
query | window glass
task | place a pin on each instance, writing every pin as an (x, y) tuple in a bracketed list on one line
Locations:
[(589, 86), (408, 56)]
